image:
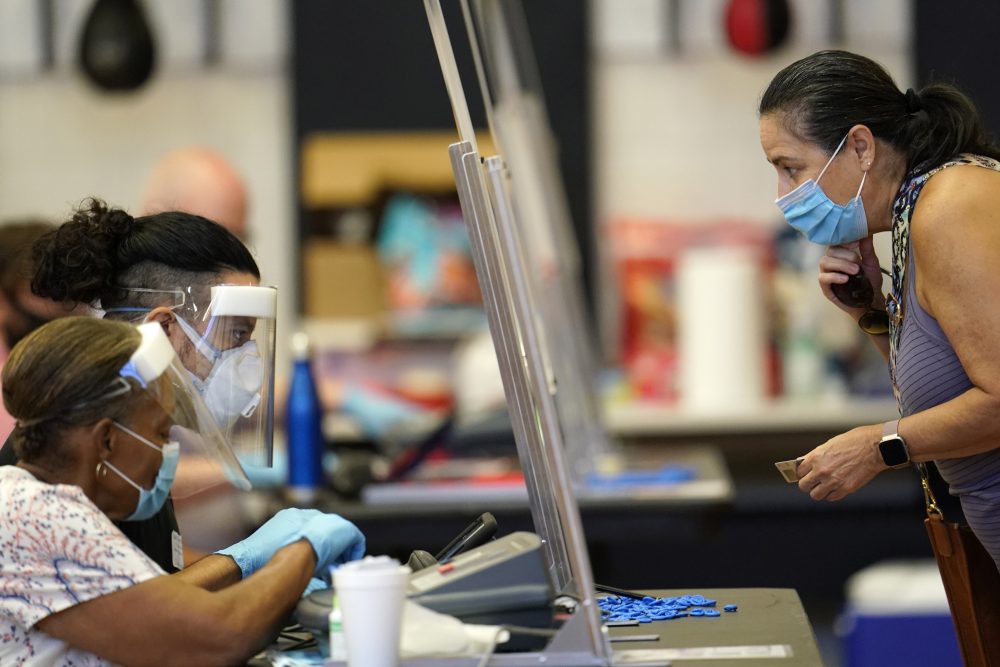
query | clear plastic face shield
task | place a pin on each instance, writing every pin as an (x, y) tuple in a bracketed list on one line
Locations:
[(235, 338), (155, 370)]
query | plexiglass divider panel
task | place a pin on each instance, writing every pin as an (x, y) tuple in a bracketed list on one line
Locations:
[(505, 330), (515, 109), (525, 352)]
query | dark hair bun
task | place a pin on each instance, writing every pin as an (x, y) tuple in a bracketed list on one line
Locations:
[(79, 260)]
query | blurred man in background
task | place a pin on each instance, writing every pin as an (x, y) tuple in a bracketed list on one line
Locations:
[(200, 181)]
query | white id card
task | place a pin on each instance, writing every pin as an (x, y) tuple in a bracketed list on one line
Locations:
[(176, 550)]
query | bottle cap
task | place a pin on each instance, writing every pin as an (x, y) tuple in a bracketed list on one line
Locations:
[(300, 345)]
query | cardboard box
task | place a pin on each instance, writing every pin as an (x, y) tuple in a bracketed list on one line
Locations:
[(342, 280)]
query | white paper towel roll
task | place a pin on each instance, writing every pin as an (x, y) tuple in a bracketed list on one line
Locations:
[(721, 336)]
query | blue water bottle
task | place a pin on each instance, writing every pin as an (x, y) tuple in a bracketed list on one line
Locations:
[(303, 427)]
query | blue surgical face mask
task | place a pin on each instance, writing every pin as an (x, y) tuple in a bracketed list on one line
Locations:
[(810, 211), (151, 500)]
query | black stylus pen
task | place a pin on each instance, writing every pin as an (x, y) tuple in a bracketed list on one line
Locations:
[(619, 591)]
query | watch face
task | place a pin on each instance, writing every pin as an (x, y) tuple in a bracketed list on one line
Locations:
[(893, 451)]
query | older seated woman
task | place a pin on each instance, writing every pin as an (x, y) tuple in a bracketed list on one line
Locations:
[(100, 406)]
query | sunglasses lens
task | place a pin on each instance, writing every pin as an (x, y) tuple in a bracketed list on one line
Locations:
[(857, 292), (874, 322)]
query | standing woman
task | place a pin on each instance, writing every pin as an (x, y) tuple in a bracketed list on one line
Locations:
[(856, 156), (168, 268)]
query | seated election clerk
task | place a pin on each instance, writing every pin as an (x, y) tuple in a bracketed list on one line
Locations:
[(203, 286), (104, 410)]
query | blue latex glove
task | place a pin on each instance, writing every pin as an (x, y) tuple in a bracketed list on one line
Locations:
[(267, 478), (280, 530), (335, 541), (375, 412), (315, 584)]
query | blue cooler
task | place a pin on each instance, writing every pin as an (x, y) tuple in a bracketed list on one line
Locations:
[(897, 615)]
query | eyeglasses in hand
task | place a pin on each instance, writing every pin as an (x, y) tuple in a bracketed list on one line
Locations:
[(857, 292)]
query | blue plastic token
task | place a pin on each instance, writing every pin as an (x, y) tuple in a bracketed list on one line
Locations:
[(648, 609)]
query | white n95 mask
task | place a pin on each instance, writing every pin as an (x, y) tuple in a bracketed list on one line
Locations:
[(232, 388)]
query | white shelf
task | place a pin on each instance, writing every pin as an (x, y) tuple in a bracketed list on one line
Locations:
[(643, 419)]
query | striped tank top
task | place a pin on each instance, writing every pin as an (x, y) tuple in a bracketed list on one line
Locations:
[(926, 371)]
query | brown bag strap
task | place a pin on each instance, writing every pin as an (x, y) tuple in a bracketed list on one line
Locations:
[(971, 583)]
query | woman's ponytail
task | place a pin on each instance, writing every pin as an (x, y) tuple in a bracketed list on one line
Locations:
[(942, 123)]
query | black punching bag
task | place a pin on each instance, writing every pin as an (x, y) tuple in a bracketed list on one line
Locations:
[(755, 27), (116, 48)]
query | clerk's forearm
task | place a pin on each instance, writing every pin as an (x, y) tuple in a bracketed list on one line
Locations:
[(192, 556), (171, 622), (966, 425), (213, 572), (260, 603)]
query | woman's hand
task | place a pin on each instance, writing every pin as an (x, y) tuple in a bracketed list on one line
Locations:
[(335, 541), (841, 261), (280, 530), (842, 465)]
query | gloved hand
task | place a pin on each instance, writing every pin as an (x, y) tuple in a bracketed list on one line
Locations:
[(315, 584), (375, 412), (267, 478), (334, 539), (280, 530)]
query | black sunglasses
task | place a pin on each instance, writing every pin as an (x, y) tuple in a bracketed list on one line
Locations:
[(857, 292)]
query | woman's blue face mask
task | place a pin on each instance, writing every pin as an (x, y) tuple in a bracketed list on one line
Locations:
[(818, 218), (151, 500)]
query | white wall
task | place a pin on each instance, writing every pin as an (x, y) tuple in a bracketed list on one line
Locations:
[(675, 137)]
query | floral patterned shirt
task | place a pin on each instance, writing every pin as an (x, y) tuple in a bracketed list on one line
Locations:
[(57, 549)]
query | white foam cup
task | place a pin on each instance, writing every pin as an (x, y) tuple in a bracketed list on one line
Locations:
[(371, 593)]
